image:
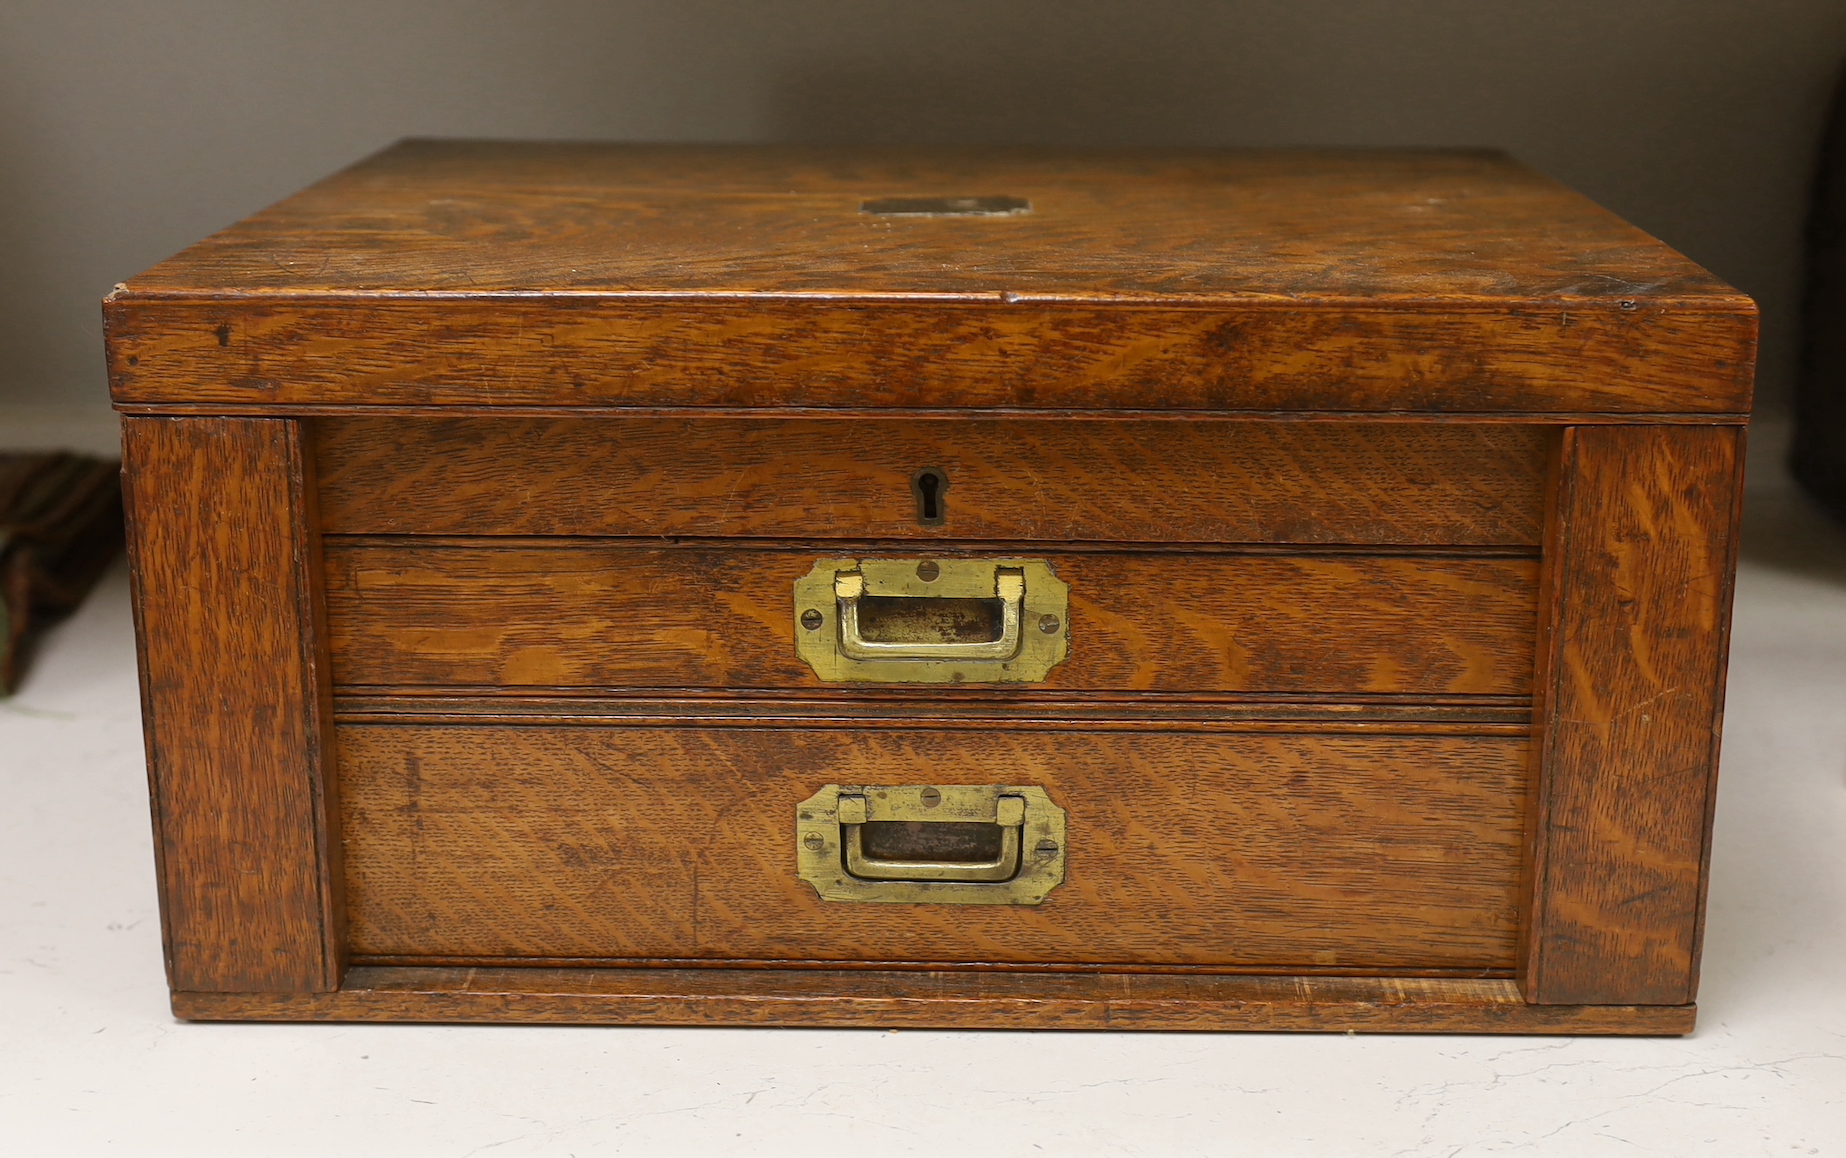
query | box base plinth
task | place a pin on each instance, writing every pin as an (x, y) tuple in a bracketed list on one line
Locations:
[(913, 1000)]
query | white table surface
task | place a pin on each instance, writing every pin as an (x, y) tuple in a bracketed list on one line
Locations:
[(91, 1062)]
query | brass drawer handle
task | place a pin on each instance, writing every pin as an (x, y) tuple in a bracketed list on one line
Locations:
[(952, 844), (1009, 589), (932, 621), (1010, 817)]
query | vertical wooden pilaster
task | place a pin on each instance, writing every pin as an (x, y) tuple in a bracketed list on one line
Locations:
[(1635, 615), (235, 698)]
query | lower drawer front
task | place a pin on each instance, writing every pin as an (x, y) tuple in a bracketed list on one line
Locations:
[(1230, 849)]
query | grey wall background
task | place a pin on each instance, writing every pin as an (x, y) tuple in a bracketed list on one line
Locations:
[(128, 130)]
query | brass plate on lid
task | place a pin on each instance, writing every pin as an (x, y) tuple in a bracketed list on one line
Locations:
[(946, 206)]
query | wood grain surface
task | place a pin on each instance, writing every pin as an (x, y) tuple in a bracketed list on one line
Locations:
[(577, 411), (495, 216), (263, 354), (1224, 482), (935, 1000), (458, 273), (234, 702), (679, 843), (616, 615), (1630, 696)]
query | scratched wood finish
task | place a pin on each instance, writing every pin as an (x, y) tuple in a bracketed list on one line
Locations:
[(935, 1001), (234, 702), (1630, 702), (1226, 482), (457, 273), (632, 616), (679, 843)]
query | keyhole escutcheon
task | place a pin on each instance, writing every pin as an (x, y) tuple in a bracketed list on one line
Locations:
[(930, 486)]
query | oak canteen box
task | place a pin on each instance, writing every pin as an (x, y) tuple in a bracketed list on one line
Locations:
[(1144, 590)]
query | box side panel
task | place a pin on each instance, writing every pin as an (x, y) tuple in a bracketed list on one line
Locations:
[(1630, 683), (235, 692)]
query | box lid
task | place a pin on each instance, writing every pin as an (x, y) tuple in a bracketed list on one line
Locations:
[(538, 275)]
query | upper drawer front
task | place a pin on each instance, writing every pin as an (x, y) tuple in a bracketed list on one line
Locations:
[(1106, 481), (407, 612)]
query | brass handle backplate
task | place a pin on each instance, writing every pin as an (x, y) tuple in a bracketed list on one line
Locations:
[(952, 844), (932, 620)]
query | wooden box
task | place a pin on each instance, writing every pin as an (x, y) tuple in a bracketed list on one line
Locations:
[(569, 576)]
